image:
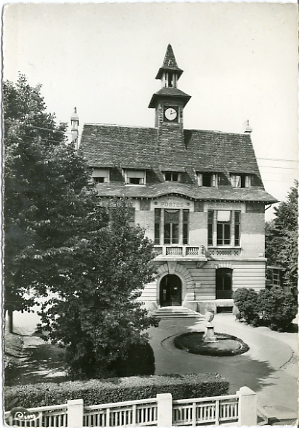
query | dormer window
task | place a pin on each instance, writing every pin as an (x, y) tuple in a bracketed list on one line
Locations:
[(240, 180), (172, 176), (100, 175), (135, 178), (207, 179)]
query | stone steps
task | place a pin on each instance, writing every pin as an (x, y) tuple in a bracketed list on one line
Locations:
[(176, 312)]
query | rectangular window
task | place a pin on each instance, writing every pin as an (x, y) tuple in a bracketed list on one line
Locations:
[(276, 277), (172, 176), (224, 228), (171, 226), (135, 177), (240, 180), (207, 179), (157, 225), (100, 175)]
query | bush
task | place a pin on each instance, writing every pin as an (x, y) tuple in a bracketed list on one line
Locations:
[(246, 300), (278, 308), (140, 361), (117, 389)]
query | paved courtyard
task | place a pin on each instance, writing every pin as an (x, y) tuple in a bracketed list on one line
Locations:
[(269, 367)]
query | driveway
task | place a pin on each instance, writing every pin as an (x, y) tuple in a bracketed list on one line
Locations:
[(269, 367)]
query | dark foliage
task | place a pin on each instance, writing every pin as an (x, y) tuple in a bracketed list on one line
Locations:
[(140, 361), (282, 239), (277, 308), (117, 389), (96, 315), (46, 199), (246, 301)]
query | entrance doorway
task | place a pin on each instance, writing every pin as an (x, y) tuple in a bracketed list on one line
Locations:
[(170, 291), (224, 283)]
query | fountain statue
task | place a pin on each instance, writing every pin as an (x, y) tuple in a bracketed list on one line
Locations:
[(209, 335)]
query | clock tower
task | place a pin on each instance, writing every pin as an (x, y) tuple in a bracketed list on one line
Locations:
[(169, 101)]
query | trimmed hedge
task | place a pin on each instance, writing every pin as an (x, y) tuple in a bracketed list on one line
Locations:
[(117, 389)]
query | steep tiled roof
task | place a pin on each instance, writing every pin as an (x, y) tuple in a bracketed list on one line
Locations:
[(136, 147), (221, 152), (106, 145), (188, 190), (111, 145)]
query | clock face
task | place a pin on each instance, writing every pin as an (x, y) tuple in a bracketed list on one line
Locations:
[(171, 113)]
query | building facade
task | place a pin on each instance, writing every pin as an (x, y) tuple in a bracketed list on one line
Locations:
[(198, 194)]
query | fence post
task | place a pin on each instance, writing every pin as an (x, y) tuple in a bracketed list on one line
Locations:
[(75, 413), (247, 407), (164, 410)]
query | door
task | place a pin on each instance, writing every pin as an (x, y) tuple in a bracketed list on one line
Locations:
[(170, 291), (224, 283)]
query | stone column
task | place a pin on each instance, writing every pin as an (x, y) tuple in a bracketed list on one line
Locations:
[(164, 410), (247, 407), (75, 413)]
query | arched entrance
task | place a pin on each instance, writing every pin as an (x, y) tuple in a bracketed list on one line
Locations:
[(224, 283), (170, 291)]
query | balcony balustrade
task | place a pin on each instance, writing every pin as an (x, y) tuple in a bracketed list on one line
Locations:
[(180, 250)]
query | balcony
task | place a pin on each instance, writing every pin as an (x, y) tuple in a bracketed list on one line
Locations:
[(180, 251), (219, 252)]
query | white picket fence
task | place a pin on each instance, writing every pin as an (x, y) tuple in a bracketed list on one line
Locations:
[(239, 409)]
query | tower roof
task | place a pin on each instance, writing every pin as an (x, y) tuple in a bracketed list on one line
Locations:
[(169, 93), (169, 63)]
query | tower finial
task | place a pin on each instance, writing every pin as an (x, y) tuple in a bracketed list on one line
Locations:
[(74, 128), (247, 127)]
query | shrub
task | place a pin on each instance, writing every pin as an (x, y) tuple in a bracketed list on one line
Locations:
[(140, 361), (117, 389), (246, 300), (278, 308)]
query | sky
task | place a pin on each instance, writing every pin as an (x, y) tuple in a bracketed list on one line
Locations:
[(239, 62)]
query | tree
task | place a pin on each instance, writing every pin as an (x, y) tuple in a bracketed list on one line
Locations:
[(46, 197), (96, 314), (277, 308), (282, 238)]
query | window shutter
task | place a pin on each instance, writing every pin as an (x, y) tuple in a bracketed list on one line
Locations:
[(199, 179), (214, 180), (238, 181)]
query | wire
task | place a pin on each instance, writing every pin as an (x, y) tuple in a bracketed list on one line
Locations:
[(276, 167), (279, 160), (48, 129)]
